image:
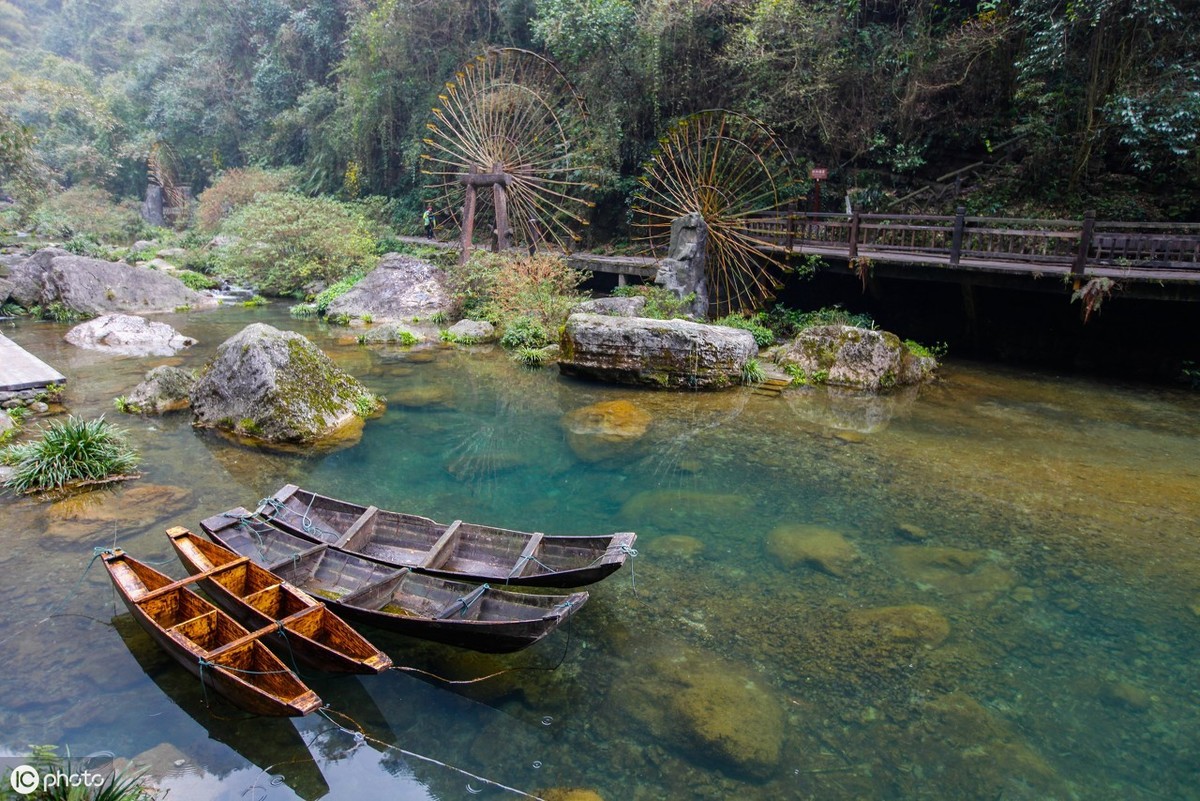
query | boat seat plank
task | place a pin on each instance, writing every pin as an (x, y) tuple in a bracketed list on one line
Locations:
[(348, 540), (526, 562), (441, 549)]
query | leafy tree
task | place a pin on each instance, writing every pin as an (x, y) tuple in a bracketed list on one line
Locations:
[(283, 241)]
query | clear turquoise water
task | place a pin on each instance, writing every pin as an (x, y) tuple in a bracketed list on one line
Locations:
[(1040, 641)]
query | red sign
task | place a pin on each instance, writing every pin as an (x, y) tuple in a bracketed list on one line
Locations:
[(818, 173)]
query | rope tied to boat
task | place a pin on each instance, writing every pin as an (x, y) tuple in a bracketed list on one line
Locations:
[(460, 606), (359, 733), (309, 526), (521, 564)]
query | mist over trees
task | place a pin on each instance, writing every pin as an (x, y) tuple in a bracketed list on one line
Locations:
[(1070, 104)]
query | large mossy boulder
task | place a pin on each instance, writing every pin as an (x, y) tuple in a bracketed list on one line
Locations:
[(666, 354), (399, 288), (94, 286), (277, 386), (844, 355), (128, 335)]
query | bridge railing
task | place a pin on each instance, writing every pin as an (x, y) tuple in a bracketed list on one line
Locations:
[(1075, 247)]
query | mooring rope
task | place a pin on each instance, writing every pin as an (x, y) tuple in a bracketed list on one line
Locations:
[(360, 735)]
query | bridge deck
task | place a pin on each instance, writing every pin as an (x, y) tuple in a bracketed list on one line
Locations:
[(20, 369)]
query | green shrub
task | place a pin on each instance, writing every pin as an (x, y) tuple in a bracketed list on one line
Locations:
[(332, 293), (233, 190), (303, 310), (254, 302), (937, 350), (367, 404), (785, 323), (88, 212), (85, 245), (281, 242), (196, 281), (661, 304), (502, 287), (524, 332), (763, 335), (68, 451)]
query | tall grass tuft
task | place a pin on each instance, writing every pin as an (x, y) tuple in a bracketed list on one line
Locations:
[(71, 450)]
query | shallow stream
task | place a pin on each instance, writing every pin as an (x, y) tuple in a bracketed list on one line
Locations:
[(986, 590)]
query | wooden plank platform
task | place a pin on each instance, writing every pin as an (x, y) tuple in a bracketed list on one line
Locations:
[(20, 369)]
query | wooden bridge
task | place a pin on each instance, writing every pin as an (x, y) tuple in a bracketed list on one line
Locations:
[(1154, 259)]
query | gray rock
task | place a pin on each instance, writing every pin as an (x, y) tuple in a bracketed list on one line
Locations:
[(6, 287), (683, 271), (612, 307), (843, 355), (95, 286), (142, 245), (473, 331), (165, 389), (400, 288), (390, 332), (276, 386), (172, 253), (39, 407), (6, 424), (669, 354), (128, 335)]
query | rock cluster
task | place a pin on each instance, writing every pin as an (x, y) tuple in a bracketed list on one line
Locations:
[(399, 288), (94, 286), (276, 386), (128, 335), (665, 354), (843, 355)]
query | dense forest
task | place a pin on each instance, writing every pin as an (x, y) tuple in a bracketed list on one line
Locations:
[(1065, 105)]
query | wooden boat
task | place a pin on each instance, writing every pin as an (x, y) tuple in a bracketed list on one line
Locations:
[(303, 627), (459, 550), (209, 643), (478, 617)]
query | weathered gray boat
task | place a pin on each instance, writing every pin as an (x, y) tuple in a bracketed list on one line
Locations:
[(458, 550)]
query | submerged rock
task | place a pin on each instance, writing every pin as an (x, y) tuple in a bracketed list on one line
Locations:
[(96, 516), (399, 288), (816, 546), (165, 389), (970, 575), (910, 624), (390, 333), (665, 354), (604, 430), (94, 286), (128, 335), (843, 355), (276, 386), (709, 709)]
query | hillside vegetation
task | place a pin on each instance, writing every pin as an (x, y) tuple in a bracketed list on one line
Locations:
[(1065, 105)]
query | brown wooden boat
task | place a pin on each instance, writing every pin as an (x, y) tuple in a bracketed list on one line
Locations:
[(304, 628), (209, 643), (478, 617), (458, 550)]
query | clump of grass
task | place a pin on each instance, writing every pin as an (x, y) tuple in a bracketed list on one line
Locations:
[(367, 404), (531, 357), (753, 372), (303, 310), (254, 302), (69, 451), (446, 335)]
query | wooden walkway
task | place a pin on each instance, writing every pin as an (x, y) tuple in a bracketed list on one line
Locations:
[(20, 369)]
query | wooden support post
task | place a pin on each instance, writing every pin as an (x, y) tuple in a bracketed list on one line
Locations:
[(535, 229), (1085, 246), (956, 237), (854, 221), (791, 226), (500, 198), (468, 229)]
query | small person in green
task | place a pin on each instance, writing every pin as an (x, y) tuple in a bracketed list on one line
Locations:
[(427, 221)]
